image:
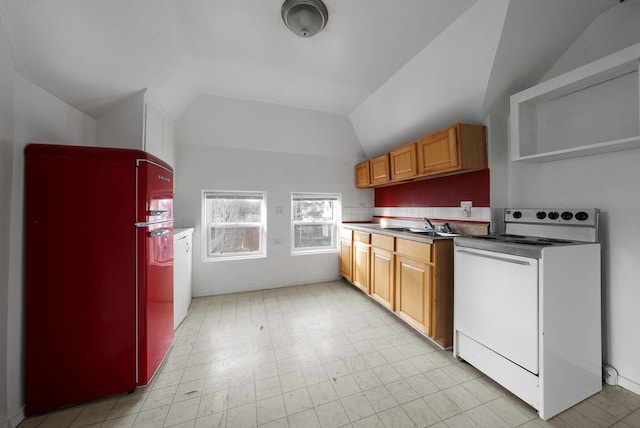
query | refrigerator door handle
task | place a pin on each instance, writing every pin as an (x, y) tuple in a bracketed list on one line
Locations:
[(160, 232), (151, 223), (158, 212)]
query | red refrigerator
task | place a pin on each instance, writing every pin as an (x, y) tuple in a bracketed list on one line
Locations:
[(98, 272)]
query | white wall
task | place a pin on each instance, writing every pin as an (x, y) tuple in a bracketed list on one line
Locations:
[(426, 95), (38, 116), (122, 126), (6, 173), (228, 144), (609, 182)]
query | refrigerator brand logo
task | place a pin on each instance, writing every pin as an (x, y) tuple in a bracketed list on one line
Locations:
[(163, 178)]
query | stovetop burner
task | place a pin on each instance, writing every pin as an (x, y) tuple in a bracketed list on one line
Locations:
[(528, 231), (526, 240)]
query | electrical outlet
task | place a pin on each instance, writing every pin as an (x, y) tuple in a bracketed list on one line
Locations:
[(465, 208)]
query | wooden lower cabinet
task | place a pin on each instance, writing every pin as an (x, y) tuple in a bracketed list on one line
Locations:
[(346, 253), (346, 259), (413, 292), (424, 287), (414, 279), (361, 265), (442, 293), (382, 278), (361, 260)]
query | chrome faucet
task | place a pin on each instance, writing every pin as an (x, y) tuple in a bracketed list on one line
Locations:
[(431, 226)]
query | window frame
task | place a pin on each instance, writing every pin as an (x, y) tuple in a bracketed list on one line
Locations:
[(337, 215), (207, 225)]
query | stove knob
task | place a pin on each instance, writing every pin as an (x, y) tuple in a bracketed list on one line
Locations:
[(582, 216), (553, 215), (541, 215), (567, 215), (517, 214)]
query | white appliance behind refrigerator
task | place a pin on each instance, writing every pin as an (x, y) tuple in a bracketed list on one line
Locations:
[(182, 260)]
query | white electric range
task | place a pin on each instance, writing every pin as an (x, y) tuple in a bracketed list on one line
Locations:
[(527, 308)]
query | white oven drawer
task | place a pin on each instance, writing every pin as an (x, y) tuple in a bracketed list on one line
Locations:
[(496, 303), (519, 381)]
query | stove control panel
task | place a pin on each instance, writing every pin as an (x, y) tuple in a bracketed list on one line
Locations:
[(582, 217)]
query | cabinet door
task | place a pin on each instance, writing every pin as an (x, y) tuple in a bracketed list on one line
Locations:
[(442, 293), (346, 254), (413, 292), (168, 143), (439, 152), (403, 162), (153, 131), (361, 265), (380, 169), (382, 277), (362, 175)]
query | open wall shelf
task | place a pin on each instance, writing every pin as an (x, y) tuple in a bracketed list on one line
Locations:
[(591, 110)]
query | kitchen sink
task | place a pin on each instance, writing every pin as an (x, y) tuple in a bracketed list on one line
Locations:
[(427, 232), (413, 230)]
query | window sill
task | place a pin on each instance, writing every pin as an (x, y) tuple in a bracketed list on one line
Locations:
[(235, 257), (315, 251)]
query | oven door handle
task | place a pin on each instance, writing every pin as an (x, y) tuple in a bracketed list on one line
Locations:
[(500, 259)]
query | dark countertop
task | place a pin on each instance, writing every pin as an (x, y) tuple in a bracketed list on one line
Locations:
[(393, 231)]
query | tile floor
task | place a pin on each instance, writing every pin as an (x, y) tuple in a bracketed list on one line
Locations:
[(321, 355)]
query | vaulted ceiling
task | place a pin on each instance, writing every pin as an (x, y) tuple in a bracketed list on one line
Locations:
[(92, 53)]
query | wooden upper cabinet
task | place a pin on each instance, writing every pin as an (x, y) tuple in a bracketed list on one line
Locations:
[(438, 152), (458, 148), (379, 168), (403, 162), (363, 178)]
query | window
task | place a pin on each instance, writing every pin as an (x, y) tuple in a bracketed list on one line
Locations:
[(234, 225), (314, 222)]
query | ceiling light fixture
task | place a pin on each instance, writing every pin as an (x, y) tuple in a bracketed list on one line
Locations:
[(306, 18)]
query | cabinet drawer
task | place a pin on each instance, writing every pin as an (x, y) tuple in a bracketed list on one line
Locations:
[(362, 237), (382, 241), (346, 234), (413, 249)]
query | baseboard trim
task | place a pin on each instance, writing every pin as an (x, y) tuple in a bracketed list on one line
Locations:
[(629, 384)]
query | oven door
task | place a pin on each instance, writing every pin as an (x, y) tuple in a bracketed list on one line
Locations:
[(496, 303)]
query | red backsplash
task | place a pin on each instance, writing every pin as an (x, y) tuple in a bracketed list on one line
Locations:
[(437, 192)]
